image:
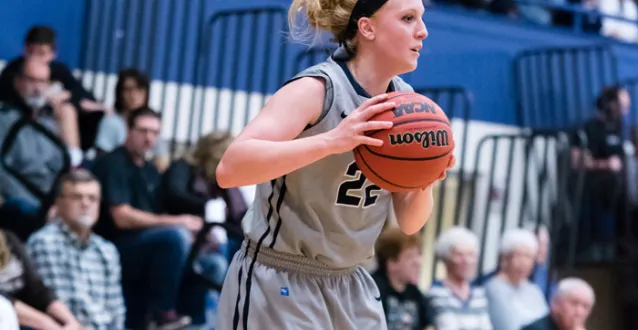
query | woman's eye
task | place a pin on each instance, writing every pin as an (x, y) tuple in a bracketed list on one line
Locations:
[(408, 18)]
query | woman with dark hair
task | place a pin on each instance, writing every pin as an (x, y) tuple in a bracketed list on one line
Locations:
[(131, 92), (600, 147), (606, 133)]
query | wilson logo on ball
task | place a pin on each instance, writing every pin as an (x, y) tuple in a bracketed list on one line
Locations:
[(416, 107), (426, 139)]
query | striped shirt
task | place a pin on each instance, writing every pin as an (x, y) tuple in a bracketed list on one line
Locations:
[(453, 313), (85, 275)]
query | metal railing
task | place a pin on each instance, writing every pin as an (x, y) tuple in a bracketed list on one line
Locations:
[(579, 12), (556, 87)]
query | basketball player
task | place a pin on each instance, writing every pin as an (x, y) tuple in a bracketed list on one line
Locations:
[(315, 217)]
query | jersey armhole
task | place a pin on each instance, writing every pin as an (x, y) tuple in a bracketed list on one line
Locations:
[(328, 98)]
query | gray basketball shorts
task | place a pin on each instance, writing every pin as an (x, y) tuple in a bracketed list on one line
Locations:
[(270, 290)]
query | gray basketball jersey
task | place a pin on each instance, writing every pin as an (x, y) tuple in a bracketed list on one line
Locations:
[(327, 211)]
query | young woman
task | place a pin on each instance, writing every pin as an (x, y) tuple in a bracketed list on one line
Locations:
[(315, 218)]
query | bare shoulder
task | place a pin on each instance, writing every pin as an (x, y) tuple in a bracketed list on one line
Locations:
[(292, 108), (309, 91)]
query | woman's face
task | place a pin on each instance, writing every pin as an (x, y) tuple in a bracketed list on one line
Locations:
[(398, 34), (133, 95)]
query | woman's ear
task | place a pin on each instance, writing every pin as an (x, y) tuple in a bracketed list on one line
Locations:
[(366, 28)]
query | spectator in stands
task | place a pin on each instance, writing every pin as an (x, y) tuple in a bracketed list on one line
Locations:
[(34, 303), (40, 45), (622, 30), (8, 317), (153, 247), (514, 301), (600, 147), (589, 23), (131, 92), (606, 133), (34, 156), (190, 182), (399, 261), (187, 187), (458, 304), (570, 307), (81, 268)]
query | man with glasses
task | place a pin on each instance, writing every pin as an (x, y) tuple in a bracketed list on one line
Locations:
[(40, 43), (82, 268), (153, 247), (32, 155)]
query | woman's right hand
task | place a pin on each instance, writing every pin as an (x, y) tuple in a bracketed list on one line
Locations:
[(350, 133)]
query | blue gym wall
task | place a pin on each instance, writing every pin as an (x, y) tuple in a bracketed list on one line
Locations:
[(464, 49)]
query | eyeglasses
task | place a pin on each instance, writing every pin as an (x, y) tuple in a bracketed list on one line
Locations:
[(32, 79), (80, 197), (146, 131)]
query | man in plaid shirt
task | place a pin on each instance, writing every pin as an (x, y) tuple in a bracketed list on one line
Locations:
[(82, 268)]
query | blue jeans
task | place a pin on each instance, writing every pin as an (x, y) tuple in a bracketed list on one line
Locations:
[(192, 298), (153, 261), (232, 247), (214, 266)]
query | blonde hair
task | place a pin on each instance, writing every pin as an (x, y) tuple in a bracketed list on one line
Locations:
[(327, 15), (5, 252), (208, 152)]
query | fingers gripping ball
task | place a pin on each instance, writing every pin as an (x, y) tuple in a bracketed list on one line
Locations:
[(415, 151)]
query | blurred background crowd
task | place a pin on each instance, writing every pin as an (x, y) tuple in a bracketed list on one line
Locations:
[(112, 125)]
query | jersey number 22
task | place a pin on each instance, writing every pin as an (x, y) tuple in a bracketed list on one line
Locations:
[(364, 197)]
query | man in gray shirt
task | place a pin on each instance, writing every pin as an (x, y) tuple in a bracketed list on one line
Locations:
[(33, 155)]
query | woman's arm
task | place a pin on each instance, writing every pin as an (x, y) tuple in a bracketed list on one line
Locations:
[(413, 208), (32, 318), (265, 150)]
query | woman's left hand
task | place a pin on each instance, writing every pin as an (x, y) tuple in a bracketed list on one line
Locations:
[(450, 165)]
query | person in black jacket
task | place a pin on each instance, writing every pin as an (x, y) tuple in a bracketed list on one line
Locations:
[(35, 305), (189, 183), (187, 187), (398, 257), (570, 307)]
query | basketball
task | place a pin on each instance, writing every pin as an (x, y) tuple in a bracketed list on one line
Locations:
[(415, 151)]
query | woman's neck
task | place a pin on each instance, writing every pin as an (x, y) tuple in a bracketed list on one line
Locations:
[(369, 74)]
